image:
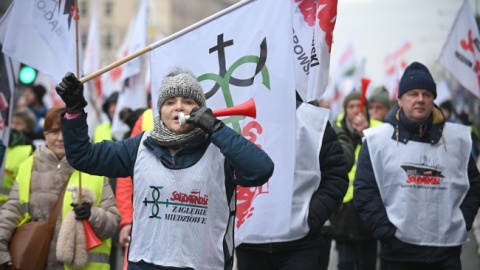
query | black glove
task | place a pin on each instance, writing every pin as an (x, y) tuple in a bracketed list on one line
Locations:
[(203, 118), (82, 211), (71, 92)]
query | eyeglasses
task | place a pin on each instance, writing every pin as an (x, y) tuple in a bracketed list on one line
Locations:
[(54, 131)]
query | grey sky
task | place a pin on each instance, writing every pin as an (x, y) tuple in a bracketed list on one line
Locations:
[(376, 27)]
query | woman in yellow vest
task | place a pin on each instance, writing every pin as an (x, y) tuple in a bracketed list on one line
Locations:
[(40, 181)]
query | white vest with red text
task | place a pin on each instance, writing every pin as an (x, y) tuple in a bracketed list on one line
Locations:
[(422, 185), (181, 216)]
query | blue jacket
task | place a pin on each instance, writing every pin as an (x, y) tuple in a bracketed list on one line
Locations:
[(368, 201), (245, 164)]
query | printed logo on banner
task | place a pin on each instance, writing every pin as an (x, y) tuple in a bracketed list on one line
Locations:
[(223, 80), (186, 207), (426, 174), (468, 45)]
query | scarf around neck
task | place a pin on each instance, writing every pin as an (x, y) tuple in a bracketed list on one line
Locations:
[(162, 136)]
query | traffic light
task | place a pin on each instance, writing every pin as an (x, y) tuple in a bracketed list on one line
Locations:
[(27, 75)]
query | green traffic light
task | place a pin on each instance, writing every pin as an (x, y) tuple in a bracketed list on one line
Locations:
[(27, 75)]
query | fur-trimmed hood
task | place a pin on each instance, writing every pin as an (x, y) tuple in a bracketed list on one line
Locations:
[(430, 131)]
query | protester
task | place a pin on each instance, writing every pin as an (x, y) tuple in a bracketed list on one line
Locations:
[(104, 130), (379, 103), (33, 98), (23, 119), (40, 181), (319, 184), (17, 152), (417, 187), (182, 218), (328, 228), (130, 117), (448, 111), (124, 191), (355, 246)]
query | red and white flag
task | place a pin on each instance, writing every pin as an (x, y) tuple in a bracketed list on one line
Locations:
[(93, 88), (43, 36), (313, 22), (132, 94), (395, 63), (460, 54), (246, 54)]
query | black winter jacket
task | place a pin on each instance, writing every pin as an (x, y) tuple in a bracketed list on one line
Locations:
[(369, 203), (325, 200)]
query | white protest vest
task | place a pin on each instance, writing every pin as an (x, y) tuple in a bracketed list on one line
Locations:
[(181, 217), (422, 185), (311, 122)]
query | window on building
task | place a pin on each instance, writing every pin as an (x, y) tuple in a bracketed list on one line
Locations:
[(84, 40), (108, 8), (108, 41), (83, 9)]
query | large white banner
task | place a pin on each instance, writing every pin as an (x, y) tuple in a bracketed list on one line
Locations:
[(313, 22), (42, 34), (461, 52), (247, 54)]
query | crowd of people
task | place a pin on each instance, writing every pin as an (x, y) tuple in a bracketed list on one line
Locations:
[(393, 182)]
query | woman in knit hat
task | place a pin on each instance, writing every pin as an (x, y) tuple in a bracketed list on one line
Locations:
[(184, 176)]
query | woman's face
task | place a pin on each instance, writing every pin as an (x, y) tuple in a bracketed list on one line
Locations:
[(54, 139), (170, 110)]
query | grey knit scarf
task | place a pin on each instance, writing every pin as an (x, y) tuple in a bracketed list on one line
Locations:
[(162, 136)]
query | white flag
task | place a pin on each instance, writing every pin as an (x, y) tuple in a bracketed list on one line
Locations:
[(247, 54), (132, 94), (8, 75), (395, 63), (42, 34), (313, 24), (92, 89), (461, 52)]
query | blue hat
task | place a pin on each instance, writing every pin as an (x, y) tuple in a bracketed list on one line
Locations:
[(417, 76)]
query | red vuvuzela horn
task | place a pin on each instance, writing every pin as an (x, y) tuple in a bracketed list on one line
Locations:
[(90, 236), (247, 108), (365, 83)]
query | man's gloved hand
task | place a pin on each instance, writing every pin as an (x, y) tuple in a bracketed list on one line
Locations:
[(203, 118), (71, 92), (82, 211)]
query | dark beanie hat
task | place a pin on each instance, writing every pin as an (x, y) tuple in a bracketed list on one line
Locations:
[(112, 99), (417, 76), (39, 92)]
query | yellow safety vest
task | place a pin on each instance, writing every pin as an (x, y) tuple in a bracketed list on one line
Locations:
[(147, 120), (103, 132), (99, 257), (14, 157), (351, 175)]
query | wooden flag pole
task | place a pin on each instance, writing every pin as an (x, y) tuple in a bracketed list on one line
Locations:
[(164, 41), (76, 18)]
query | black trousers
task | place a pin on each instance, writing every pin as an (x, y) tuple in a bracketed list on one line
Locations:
[(324, 252), (451, 263)]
